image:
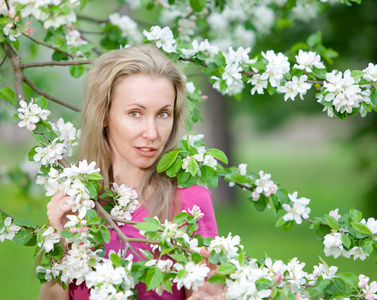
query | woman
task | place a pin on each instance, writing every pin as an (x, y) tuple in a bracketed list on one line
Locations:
[(134, 109)]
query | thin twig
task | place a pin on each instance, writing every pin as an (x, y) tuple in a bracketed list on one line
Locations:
[(48, 96), (7, 4), (49, 46), (8, 215), (95, 49), (57, 63), (91, 19), (15, 61), (3, 60)]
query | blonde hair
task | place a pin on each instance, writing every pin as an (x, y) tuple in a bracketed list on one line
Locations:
[(108, 70)]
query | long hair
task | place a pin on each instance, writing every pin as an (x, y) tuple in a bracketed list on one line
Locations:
[(107, 71)]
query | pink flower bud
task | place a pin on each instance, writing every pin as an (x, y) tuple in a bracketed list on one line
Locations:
[(11, 13), (9, 25), (28, 23), (363, 281), (278, 277), (85, 229), (205, 97), (81, 230), (72, 229), (17, 18)]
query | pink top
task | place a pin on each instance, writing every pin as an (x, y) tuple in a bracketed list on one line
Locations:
[(188, 197)]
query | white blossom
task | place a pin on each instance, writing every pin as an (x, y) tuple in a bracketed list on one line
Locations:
[(194, 277), (9, 230), (264, 185), (370, 72), (298, 210), (127, 26), (227, 245), (307, 60), (163, 37), (49, 238), (371, 224), (277, 66), (333, 244)]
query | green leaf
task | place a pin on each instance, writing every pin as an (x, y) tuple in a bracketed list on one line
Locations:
[(94, 176), (8, 95), (367, 246), (167, 160), (218, 154), (355, 215), (67, 234), (279, 222), (76, 70), (360, 228), (261, 203), (209, 175), (373, 97), (214, 257), (105, 234), (287, 225), (192, 166), (217, 279), (226, 269), (332, 222), (154, 278), (25, 223), (147, 226), (22, 237), (115, 259), (314, 39), (321, 285), (91, 189), (356, 74), (180, 217), (349, 278), (346, 241), (152, 220), (262, 284), (41, 102), (198, 5), (39, 138), (196, 257), (91, 213), (31, 153), (174, 168), (179, 257)]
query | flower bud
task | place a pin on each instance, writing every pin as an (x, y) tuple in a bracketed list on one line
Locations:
[(72, 229)]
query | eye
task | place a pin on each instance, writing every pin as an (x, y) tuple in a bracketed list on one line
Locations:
[(163, 115), (134, 114)]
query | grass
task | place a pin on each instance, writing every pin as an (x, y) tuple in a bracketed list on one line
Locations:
[(323, 173)]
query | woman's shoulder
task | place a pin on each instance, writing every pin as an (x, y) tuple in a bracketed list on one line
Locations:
[(194, 189), (194, 195)]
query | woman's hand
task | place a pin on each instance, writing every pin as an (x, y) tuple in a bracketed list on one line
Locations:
[(208, 290), (57, 211)]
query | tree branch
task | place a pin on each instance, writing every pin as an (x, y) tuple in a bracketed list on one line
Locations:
[(49, 46), (48, 96), (3, 60), (8, 215), (91, 19), (57, 63), (15, 60)]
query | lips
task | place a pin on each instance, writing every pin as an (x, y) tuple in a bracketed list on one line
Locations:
[(146, 151)]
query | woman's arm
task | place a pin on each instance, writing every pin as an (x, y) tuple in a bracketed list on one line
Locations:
[(57, 211), (53, 290)]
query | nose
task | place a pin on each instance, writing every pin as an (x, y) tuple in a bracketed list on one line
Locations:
[(150, 129)]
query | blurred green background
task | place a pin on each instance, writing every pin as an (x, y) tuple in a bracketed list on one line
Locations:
[(329, 161)]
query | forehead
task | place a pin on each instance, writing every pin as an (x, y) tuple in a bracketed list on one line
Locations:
[(143, 87)]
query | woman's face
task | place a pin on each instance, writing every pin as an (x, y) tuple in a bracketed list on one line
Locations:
[(140, 120)]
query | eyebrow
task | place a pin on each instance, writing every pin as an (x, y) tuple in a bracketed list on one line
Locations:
[(143, 107)]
